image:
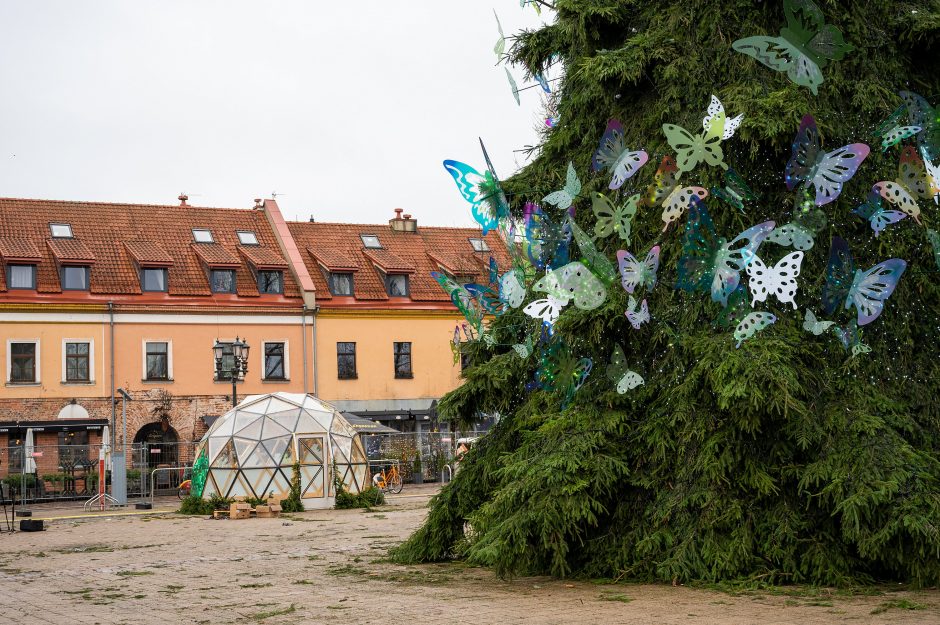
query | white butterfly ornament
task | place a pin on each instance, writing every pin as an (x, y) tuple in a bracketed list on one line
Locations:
[(779, 280)]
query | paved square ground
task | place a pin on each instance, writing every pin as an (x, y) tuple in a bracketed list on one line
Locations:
[(324, 567)]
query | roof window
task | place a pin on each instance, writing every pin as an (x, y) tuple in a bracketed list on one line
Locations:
[(61, 231), (247, 237), (370, 241), (202, 235), (479, 245)]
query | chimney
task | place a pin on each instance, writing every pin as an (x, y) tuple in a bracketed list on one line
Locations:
[(257, 205), (403, 223), (182, 198)]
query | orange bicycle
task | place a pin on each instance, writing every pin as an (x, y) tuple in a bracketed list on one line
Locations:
[(389, 479)]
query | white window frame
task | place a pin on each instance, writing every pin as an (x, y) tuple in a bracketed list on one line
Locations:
[(286, 360), (143, 361), (205, 230), (363, 237), (52, 227), (250, 233), (91, 360), (38, 378), (479, 243)]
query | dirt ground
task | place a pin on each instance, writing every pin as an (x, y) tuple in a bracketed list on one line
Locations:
[(325, 567)]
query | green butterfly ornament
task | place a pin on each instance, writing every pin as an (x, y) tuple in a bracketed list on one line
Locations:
[(611, 218), (812, 324), (524, 350), (735, 192), (574, 282), (751, 325), (562, 199), (513, 86), (705, 147), (620, 374), (805, 46), (591, 256)]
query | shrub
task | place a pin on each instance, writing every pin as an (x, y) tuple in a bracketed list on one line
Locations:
[(200, 506), (293, 502)]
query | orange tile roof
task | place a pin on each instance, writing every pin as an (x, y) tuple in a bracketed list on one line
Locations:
[(333, 260), (456, 264), (215, 255), (411, 249), (388, 262), (70, 251), (120, 237), (262, 257), (19, 249)]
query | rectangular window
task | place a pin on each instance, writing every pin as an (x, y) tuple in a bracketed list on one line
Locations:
[(370, 241), (77, 357), (158, 361), (346, 361), (274, 361), (74, 278), (228, 361), (23, 362), (73, 447), (479, 245), (201, 235), (341, 283), (21, 276), (153, 279), (464, 360), (61, 231), (223, 280), (246, 237), (403, 360), (270, 282), (396, 285)]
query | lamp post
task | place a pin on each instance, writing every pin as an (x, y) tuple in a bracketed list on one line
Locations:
[(239, 365)]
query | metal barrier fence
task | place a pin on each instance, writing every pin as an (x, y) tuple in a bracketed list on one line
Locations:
[(424, 456), (41, 473)]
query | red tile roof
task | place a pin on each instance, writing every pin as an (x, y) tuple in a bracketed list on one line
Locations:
[(215, 255), (262, 257), (70, 251), (121, 237), (411, 250), (388, 262), (333, 260), (19, 249)]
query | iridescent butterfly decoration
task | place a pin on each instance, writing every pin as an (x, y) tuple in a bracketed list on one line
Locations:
[(712, 264), (666, 192), (611, 218), (619, 373), (466, 302), (473, 187), (826, 171), (805, 46), (564, 197), (873, 211), (752, 324), (778, 280), (814, 325), (546, 242), (513, 86), (912, 184), (637, 314), (614, 156), (921, 113), (851, 339), (595, 260), (635, 273), (866, 290), (573, 283), (560, 370), (735, 192), (799, 233)]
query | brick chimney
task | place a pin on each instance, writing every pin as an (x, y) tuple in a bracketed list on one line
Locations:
[(403, 223), (182, 198)]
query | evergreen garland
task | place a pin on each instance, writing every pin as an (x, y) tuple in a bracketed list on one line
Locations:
[(786, 459)]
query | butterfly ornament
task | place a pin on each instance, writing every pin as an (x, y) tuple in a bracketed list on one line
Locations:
[(805, 46), (573, 283), (710, 263), (524, 350), (666, 192), (716, 122), (637, 316), (779, 280), (921, 113), (812, 324), (560, 370), (800, 233), (873, 211), (466, 302), (513, 86), (851, 339), (751, 325), (825, 171), (735, 192), (614, 156), (595, 260), (455, 345), (619, 373), (611, 218), (563, 198), (866, 290), (634, 273), (912, 183), (546, 243), (500, 46), (934, 239)]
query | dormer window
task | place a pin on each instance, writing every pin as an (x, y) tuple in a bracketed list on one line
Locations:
[(341, 284), (21, 276), (370, 241), (202, 235), (61, 231), (153, 279), (479, 245), (223, 281), (396, 285), (74, 277), (247, 237)]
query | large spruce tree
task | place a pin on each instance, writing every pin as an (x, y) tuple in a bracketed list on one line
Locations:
[(787, 459)]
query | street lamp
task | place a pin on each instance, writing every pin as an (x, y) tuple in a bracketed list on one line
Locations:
[(239, 365)]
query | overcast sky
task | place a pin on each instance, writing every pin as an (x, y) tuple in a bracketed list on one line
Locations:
[(344, 109)]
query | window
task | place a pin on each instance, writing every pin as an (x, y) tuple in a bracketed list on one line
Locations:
[(74, 278), (77, 362), (201, 235), (228, 361), (396, 285), (21, 276), (61, 231), (270, 282), (157, 361), (246, 237), (403, 360), (23, 365), (153, 279), (341, 283), (464, 360), (370, 241), (73, 447), (479, 245), (346, 361), (274, 368), (223, 280)]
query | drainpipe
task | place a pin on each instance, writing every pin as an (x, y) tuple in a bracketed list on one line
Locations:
[(113, 411), (303, 334), (316, 386)]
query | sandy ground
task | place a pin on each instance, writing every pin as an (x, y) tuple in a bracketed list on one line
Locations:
[(325, 567)]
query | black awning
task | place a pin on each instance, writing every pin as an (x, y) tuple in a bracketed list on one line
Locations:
[(209, 419), (53, 426), (367, 426)]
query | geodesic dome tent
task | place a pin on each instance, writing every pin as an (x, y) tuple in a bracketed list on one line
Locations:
[(252, 448)]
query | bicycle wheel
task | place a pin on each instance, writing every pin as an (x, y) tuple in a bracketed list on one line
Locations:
[(395, 484)]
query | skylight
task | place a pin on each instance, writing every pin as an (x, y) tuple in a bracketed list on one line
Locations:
[(370, 241), (247, 237), (61, 231), (202, 235), (479, 245)]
